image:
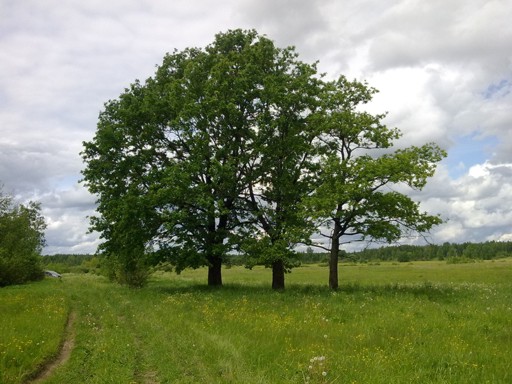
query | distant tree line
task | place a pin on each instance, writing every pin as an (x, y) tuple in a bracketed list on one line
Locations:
[(450, 252), (72, 263)]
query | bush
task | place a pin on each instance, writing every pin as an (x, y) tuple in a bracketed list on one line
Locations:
[(459, 260), (21, 241)]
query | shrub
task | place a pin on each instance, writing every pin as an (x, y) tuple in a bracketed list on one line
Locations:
[(21, 241)]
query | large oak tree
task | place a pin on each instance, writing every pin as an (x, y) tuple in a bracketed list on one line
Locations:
[(212, 143)]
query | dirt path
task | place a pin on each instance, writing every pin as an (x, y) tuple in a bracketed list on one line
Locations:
[(63, 355)]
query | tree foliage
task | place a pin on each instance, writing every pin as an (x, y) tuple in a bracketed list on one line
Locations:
[(241, 147), (21, 241), (281, 177), (356, 198)]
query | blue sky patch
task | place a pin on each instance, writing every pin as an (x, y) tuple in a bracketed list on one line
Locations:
[(500, 89), (469, 150)]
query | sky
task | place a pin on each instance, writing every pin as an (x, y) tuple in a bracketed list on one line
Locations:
[(443, 70)]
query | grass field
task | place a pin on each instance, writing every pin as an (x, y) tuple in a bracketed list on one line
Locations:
[(423, 322)]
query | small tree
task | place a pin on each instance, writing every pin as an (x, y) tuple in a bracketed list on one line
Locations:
[(21, 241), (356, 197)]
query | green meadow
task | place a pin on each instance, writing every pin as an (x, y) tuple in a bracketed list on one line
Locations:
[(421, 322)]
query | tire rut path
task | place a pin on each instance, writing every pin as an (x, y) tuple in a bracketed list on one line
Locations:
[(62, 356)]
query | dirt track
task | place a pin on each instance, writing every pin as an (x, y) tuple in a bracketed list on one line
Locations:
[(62, 356)]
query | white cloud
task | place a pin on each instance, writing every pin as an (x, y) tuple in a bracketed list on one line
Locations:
[(475, 207), (66, 212)]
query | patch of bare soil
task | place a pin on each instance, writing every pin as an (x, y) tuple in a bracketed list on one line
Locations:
[(62, 356)]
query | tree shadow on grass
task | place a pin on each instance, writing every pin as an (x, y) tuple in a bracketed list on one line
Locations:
[(428, 290)]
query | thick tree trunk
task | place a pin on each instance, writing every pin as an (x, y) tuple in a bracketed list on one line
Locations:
[(333, 260), (215, 272), (278, 275), (333, 265)]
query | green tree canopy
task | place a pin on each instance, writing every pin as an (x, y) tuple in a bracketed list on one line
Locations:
[(355, 198), (176, 161), (242, 147), (21, 241)]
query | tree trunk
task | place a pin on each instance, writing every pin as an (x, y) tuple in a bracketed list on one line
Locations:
[(215, 272), (333, 260), (333, 265), (278, 275)]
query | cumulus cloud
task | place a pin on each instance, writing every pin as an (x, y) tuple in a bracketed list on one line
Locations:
[(66, 212), (412, 33), (444, 71), (475, 206), (286, 21)]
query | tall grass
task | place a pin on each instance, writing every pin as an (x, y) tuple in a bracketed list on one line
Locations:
[(32, 321), (406, 323)]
